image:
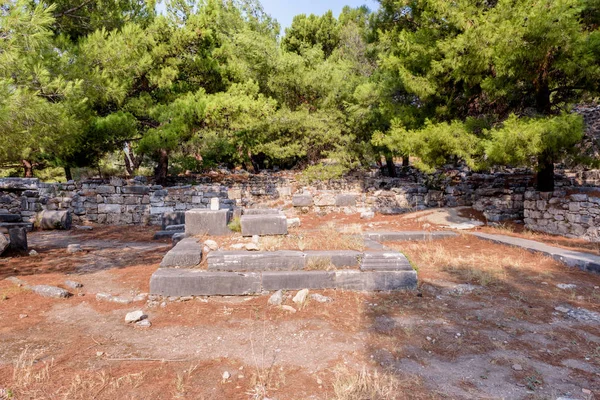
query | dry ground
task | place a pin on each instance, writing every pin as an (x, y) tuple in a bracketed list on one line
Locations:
[(483, 324)]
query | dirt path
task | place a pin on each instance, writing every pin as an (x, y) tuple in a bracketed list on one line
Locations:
[(488, 321)]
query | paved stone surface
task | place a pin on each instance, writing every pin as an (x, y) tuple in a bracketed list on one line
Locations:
[(263, 224), (186, 282), (584, 261), (408, 235), (384, 261), (49, 220), (212, 222), (283, 260), (186, 253)]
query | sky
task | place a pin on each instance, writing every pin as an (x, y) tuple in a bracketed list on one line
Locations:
[(284, 11)]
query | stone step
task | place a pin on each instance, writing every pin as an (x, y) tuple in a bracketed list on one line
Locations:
[(10, 218), (408, 235), (6, 226), (385, 261), (186, 253), (286, 260), (165, 234), (191, 282), (178, 228)]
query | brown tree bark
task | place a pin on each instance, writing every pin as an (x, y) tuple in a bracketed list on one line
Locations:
[(391, 167), (162, 169), (68, 174), (27, 168)]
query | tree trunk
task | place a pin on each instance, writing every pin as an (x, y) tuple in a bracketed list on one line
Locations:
[(391, 167), (132, 162), (68, 174), (162, 169), (405, 161), (545, 174), (27, 168)]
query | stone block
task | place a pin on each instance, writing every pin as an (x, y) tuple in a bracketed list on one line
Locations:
[(173, 218), (408, 235), (376, 281), (345, 200), (285, 260), (4, 243), (234, 194), (109, 208), (105, 189), (265, 224), (338, 258), (49, 220), (139, 190), (187, 253), (261, 211), (11, 184), (187, 282), (201, 221), (10, 218), (18, 240), (155, 210), (302, 200), (297, 280), (325, 200), (384, 261)]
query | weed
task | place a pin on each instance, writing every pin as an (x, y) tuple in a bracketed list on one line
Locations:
[(235, 225), (358, 385)]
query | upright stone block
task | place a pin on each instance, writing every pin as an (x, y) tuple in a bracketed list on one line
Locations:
[(214, 204), (18, 240), (265, 224), (206, 222)]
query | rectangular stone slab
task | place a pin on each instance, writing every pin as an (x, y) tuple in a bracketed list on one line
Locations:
[(201, 221), (408, 235), (302, 200), (376, 281), (264, 224), (186, 282), (10, 217), (261, 211), (384, 261), (339, 258), (186, 253), (285, 260), (297, 280)]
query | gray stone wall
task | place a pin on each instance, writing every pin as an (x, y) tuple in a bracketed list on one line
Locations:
[(572, 213)]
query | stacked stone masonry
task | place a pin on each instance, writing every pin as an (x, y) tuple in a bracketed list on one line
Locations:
[(573, 213)]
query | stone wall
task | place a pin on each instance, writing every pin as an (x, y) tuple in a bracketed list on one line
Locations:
[(572, 213)]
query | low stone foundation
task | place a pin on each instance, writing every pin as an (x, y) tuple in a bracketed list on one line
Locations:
[(571, 213)]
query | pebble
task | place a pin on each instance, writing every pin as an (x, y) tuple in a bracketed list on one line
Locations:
[(288, 308), (99, 353), (226, 375), (211, 244), (135, 316), (74, 248), (276, 298), (238, 246), (252, 247), (73, 284), (367, 215), (300, 297), (33, 253), (255, 239), (144, 323), (566, 286), (517, 367), (319, 298), (293, 222), (23, 316), (84, 228)]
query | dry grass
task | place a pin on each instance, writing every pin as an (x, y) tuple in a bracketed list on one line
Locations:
[(360, 385), (320, 264)]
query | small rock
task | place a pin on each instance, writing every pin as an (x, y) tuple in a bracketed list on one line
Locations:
[(226, 375), (103, 297), (276, 298), (73, 284), (238, 246), (211, 244), (99, 353), (367, 215), (544, 283), (300, 297), (566, 286), (428, 338), (293, 223), (319, 298), (140, 297), (33, 253), (50, 291), (83, 228), (252, 247), (586, 391), (561, 309), (4, 243), (255, 239), (319, 381), (135, 316), (288, 308), (23, 316), (73, 248), (143, 323), (517, 367)]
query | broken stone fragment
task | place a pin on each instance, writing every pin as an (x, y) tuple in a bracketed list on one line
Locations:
[(50, 291), (276, 298), (135, 316)]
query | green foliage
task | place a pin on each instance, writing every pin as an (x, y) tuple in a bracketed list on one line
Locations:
[(322, 172), (235, 225)]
